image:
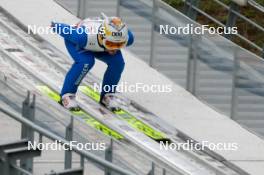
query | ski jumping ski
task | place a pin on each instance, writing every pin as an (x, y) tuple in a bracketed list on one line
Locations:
[(129, 118), (81, 113)]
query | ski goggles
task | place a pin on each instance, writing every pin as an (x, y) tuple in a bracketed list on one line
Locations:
[(109, 45)]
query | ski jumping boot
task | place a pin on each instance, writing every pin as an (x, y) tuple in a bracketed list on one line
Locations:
[(69, 102), (110, 102)]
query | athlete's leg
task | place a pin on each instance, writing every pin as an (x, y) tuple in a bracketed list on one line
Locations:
[(83, 62), (115, 66)]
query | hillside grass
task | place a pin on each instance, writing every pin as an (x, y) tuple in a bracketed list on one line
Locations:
[(220, 13)]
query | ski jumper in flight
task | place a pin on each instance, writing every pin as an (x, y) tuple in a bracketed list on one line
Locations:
[(100, 38)]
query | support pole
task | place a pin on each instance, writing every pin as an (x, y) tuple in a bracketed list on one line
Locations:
[(234, 99), (192, 65), (153, 40), (28, 111), (118, 3), (189, 64), (68, 153), (192, 13), (163, 171), (186, 6), (81, 12), (262, 53), (232, 17), (109, 156), (6, 167), (152, 171), (195, 59), (82, 161)]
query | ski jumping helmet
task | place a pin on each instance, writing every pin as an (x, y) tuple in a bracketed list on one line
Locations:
[(115, 33)]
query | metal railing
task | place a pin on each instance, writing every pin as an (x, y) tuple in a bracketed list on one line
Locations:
[(233, 15), (238, 64), (70, 129), (256, 5), (29, 127)]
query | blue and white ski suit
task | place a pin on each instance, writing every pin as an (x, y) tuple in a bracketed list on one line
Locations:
[(84, 48)]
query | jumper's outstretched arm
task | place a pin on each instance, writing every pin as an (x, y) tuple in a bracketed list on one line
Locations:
[(73, 34)]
